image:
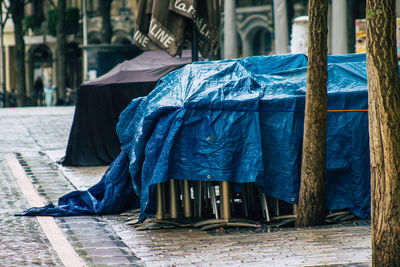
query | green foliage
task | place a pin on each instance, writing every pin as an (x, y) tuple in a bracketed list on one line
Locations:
[(71, 21), (33, 22), (52, 22), (370, 14)]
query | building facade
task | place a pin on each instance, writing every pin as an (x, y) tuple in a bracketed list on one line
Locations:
[(261, 27), (41, 45)]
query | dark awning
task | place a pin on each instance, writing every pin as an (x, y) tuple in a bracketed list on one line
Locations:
[(169, 25)]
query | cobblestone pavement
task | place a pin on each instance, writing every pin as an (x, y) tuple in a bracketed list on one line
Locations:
[(38, 136), (21, 240)]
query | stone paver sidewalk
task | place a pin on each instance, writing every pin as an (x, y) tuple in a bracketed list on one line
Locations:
[(38, 137)]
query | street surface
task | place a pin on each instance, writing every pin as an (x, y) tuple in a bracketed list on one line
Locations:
[(31, 142)]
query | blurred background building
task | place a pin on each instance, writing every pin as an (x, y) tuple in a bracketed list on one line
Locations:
[(40, 22), (248, 28)]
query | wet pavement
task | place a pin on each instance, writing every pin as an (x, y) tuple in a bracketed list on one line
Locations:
[(37, 138), (22, 242)]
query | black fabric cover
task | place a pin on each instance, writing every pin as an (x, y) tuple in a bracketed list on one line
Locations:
[(93, 140)]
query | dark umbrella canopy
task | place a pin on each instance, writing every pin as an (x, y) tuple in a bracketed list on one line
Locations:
[(93, 139), (149, 66), (168, 24)]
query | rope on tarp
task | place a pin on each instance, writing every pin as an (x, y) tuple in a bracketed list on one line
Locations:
[(275, 110), (348, 110)]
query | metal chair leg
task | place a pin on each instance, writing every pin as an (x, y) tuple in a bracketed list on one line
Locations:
[(187, 205), (287, 219), (173, 207), (225, 201), (264, 206), (245, 205), (226, 220), (213, 200), (160, 202), (276, 207), (199, 198)]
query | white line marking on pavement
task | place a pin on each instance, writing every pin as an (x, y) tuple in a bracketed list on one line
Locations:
[(55, 235)]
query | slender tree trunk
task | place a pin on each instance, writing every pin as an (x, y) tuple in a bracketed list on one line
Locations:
[(61, 50), (38, 7), (384, 131), (311, 198), (37, 10), (17, 15), (104, 10), (2, 69)]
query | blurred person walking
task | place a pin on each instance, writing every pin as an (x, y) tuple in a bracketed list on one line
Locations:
[(38, 91)]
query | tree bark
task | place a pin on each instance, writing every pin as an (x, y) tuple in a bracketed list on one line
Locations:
[(104, 10), (311, 199), (37, 7), (384, 132), (17, 15), (61, 51)]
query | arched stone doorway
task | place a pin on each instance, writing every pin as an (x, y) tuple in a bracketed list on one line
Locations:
[(95, 38), (258, 42), (121, 37), (256, 35)]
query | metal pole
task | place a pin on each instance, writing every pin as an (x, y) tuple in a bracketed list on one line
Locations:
[(2, 69), (85, 40), (195, 46), (230, 35), (187, 211), (281, 31), (339, 27), (173, 201), (397, 8), (160, 203), (224, 201)]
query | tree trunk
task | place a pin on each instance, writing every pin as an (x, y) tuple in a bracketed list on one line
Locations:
[(37, 7), (2, 65), (104, 10), (17, 14), (61, 51), (311, 199), (384, 131)]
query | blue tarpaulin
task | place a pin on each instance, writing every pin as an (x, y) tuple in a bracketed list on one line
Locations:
[(241, 121)]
